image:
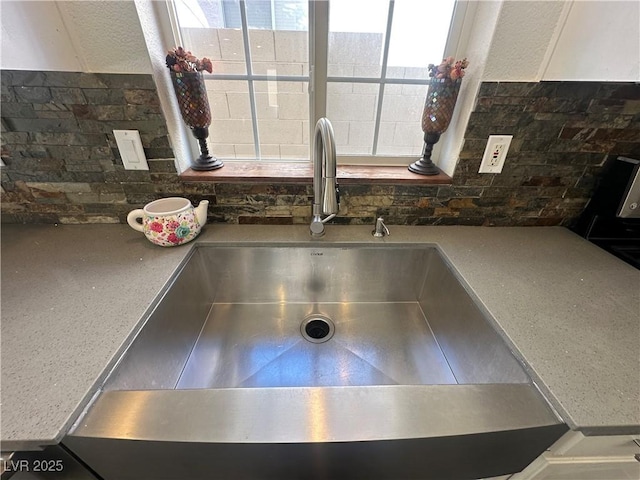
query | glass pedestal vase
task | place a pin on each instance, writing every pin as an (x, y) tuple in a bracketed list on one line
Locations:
[(436, 116), (192, 98)]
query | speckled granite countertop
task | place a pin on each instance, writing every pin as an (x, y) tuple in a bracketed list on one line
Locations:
[(73, 296)]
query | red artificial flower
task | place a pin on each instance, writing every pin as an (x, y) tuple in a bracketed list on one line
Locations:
[(173, 238)]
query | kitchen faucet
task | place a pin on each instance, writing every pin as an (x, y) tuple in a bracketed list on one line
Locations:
[(326, 196)]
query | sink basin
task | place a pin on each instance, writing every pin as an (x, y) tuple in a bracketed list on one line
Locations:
[(316, 361)]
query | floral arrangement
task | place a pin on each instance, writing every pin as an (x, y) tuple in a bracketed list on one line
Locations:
[(181, 60), (449, 68)]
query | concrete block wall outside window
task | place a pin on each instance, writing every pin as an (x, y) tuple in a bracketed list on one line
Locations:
[(283, 106)]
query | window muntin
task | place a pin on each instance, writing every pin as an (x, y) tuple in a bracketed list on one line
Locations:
[(376, 74)]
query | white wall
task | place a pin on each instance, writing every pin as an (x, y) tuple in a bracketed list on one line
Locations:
[(566, 40), (34, 37), (76, 36), (107, 35), (599, 41), (521, 39)]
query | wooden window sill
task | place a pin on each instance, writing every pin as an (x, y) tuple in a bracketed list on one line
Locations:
[(264, 172)]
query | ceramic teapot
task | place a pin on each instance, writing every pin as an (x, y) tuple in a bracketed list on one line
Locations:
[(169, 221)]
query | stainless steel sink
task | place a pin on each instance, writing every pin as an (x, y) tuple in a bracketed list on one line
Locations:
[(316, 361)]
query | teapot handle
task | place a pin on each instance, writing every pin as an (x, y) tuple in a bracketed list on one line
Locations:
[(132, 219)]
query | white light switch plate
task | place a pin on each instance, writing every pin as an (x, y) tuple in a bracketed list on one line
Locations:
[(131, 150)]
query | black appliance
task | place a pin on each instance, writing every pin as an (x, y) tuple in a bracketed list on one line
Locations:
[(611, 219)]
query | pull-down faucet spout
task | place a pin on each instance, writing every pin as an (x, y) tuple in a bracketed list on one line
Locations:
[(326, 198)]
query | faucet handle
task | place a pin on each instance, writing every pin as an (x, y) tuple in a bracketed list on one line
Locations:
[(381, 229)]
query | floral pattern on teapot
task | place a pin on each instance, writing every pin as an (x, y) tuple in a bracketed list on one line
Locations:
[(170, 230)]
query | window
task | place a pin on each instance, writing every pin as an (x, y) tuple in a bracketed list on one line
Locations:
[(370, 78)]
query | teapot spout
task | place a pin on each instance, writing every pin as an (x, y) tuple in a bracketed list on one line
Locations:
[(201, 212)]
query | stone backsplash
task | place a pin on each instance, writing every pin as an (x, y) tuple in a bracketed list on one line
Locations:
[(62, 164)]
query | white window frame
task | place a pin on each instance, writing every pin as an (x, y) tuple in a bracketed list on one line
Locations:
[(318, 78)]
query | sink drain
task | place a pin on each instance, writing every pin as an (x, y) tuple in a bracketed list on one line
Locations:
[(317, 329)]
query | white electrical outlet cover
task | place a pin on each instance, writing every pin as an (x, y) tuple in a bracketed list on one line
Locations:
[(495, 153), (131, 151)]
